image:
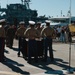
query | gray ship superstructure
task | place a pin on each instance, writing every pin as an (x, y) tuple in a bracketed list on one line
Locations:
[(14, 13)]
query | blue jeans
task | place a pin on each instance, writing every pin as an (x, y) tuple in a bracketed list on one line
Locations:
[(62, 37)]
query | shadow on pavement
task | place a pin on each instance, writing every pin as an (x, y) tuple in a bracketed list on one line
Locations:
[(49, 70), (15, 49), (15, 66), (6, 51)]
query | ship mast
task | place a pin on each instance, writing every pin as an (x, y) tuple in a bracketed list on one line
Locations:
[(26, 2)]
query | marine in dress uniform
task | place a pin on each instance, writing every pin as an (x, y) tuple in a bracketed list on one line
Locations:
[(31, 33), (20, 34), (10, 35), (2, 39), (40, 40), (47, 34)]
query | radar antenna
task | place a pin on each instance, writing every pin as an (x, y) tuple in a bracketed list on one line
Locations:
[(26, 2)]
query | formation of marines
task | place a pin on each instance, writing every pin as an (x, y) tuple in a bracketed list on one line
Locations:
[(34, 41)]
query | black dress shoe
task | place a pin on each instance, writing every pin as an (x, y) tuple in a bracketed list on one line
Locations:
[(29, 62), (26, 58), (44, 60), (23, 56), (10, 47), (18, 55), (52, 60)]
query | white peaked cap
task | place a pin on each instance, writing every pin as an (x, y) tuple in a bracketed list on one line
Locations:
[(31, 22), (22, 22), (2, 20), (47, 21)]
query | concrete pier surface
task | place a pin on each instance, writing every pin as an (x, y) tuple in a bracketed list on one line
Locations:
[(61, 65)]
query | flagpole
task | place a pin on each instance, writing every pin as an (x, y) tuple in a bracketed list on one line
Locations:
[(70, 70), (70, 38), (70, 12)]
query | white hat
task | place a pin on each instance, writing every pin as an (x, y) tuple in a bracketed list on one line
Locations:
[(31, 22), (47, 21), (22, 22), (2, 20)]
